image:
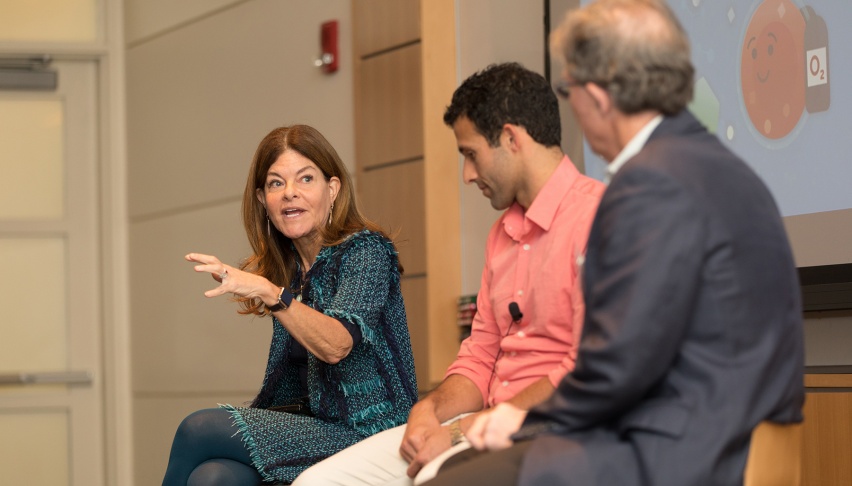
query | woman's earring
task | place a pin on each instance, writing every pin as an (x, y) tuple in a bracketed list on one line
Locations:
[(268, 230), (330, 212)]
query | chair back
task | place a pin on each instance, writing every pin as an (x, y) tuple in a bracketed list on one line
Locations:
[(775, 457)]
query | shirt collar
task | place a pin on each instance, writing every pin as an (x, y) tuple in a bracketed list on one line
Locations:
[(542, 211), (632, 148)]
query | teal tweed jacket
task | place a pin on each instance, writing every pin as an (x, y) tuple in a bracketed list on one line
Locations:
[(370, 390)]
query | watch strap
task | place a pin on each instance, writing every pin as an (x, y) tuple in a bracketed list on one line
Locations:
[(285, 298), (456, 434)]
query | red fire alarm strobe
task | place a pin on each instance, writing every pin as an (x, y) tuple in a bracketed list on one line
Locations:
[(328, 43)]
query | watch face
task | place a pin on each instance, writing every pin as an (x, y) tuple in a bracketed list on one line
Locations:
[(772, 72)]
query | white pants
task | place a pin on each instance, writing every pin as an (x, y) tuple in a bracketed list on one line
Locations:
[(374, 461)]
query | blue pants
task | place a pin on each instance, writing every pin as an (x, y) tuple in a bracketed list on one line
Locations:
[(208, 451)]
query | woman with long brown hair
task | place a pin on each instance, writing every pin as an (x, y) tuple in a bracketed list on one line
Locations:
[(340, 365)]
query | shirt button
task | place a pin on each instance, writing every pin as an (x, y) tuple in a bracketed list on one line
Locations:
[(521, 334), (505, 383), (520, 292), (513, 354), (526, 247)]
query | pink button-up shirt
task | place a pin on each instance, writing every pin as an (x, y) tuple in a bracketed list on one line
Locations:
[(531, 259)]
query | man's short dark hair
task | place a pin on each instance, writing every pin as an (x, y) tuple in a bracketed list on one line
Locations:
[(508, 93)]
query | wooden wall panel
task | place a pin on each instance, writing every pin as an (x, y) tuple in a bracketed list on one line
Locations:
[(828, 438), (828, 380), (441, 163), (405, 75), (384, 24), (389, 113), (414, 293), (393, 197)]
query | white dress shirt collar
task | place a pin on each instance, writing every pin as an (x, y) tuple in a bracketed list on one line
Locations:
[(632, 148)]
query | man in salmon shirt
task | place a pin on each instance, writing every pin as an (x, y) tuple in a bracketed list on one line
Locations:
[(529, 308)]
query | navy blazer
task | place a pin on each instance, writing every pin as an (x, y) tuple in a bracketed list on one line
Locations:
[(693, 327)]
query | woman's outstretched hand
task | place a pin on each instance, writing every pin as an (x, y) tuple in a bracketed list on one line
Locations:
[(233, 280)]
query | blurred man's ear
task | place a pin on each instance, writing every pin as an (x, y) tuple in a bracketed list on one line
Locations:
[(601, 96)]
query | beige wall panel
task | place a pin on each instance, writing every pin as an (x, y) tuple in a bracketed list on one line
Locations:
[(811, 247), (827, 338), (414, 293), (50, 21), (155, 422), (491, 31), (32, 439), (390, 121), (182, 341), (827, 444), (200, 98), (572, 134), (145, 18), (393, 197), (477, 218), (34, 130), (383, 24)]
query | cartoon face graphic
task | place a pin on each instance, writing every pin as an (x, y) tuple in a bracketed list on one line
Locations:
[(772, 71)]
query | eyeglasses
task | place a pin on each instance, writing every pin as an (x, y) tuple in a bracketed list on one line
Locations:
[(562, 88)]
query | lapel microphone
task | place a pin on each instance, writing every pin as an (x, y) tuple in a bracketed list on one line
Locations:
[(515, 312)]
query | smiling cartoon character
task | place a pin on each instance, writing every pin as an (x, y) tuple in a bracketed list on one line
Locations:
[(772, 71)]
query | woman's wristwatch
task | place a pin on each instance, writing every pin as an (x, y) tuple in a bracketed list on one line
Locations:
[(285, 298)]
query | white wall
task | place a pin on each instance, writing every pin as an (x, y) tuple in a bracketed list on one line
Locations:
[(206, 80)]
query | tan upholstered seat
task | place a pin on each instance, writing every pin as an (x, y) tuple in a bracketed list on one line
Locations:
[(775, 458)]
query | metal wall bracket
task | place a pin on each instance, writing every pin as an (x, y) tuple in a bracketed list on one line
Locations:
[(27, 72), (47, 378)]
